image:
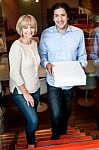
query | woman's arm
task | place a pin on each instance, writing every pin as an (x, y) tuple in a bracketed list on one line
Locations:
[(15, 58)]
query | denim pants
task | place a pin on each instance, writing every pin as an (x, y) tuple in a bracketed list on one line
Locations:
[(60, 108), (29, 112)]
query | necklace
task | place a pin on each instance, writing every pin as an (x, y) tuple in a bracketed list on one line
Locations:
[(25, 41)]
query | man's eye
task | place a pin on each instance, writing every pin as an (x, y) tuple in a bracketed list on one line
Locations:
[(63, 15), (56, 16)]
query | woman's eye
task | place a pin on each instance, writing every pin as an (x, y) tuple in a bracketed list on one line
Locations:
[(25, 27), (32, 27)]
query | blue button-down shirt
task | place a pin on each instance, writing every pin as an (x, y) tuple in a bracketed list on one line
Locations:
[(94, 52), (68, 46), (94, 43)]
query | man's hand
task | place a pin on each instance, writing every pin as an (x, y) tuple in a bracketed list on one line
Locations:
[(49, 68)]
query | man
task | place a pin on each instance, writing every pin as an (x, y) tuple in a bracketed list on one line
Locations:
[(94, 55), (61, 42)]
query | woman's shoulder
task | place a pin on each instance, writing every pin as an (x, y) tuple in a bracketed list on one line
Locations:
[(16, 43), (15, 47), (34, 43), (35, 39)]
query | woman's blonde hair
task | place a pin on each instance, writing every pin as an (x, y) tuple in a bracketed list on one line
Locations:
[(24, 21)]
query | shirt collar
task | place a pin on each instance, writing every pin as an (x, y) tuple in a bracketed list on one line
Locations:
[(68, 29)]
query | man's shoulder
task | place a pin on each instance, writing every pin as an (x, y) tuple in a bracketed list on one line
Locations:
[(76, 28), (49, 30)]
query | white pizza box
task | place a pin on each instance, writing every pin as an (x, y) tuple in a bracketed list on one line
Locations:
[(68, 73)]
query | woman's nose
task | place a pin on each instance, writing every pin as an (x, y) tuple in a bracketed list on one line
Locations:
[(29, 28)]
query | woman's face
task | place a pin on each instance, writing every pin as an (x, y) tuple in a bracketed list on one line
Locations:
[(61, 20), (28, 31)]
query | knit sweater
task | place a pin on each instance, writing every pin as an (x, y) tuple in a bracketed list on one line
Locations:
[(24, 62)]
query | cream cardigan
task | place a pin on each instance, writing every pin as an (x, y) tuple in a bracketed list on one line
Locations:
[(24, 63)]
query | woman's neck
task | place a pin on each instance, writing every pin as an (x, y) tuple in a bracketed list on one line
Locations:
[(26, 41)]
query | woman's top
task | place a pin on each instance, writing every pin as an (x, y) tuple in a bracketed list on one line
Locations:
[(56, 46), (24, 63)]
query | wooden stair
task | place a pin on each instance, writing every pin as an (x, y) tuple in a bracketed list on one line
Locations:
[(8, 141), (74, 140)]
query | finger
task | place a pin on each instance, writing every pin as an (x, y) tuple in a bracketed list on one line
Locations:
[(27, 103), (32, 103), (52, 74), (50, 70)]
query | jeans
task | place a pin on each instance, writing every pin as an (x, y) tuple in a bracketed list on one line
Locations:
[(29, 112), (60, 108)]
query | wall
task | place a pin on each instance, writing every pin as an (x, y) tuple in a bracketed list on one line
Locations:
[(1, 18), (10, 12), (16, 8), (92, 5), (44, 6), (71, 3), (33, 8)]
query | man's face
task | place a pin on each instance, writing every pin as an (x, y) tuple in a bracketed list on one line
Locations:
[(61, 20)]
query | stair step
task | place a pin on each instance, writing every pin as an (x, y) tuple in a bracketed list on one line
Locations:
[(48, 132), (7, 140), (72, 146), (47, 137), (63, 141), (74, 138), (56, 142)]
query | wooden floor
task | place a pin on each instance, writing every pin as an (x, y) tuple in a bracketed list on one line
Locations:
[(81, 117)]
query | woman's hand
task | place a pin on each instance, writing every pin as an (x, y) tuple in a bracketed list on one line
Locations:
[(29, 99)]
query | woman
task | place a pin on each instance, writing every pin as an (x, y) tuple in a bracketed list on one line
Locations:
[(24, 81)]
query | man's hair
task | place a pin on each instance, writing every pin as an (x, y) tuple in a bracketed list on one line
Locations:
[(61, 5)]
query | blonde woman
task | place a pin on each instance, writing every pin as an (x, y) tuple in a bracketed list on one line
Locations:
[(24, 81)]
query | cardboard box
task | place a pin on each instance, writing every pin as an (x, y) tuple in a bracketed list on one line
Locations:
[(68, 73)]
